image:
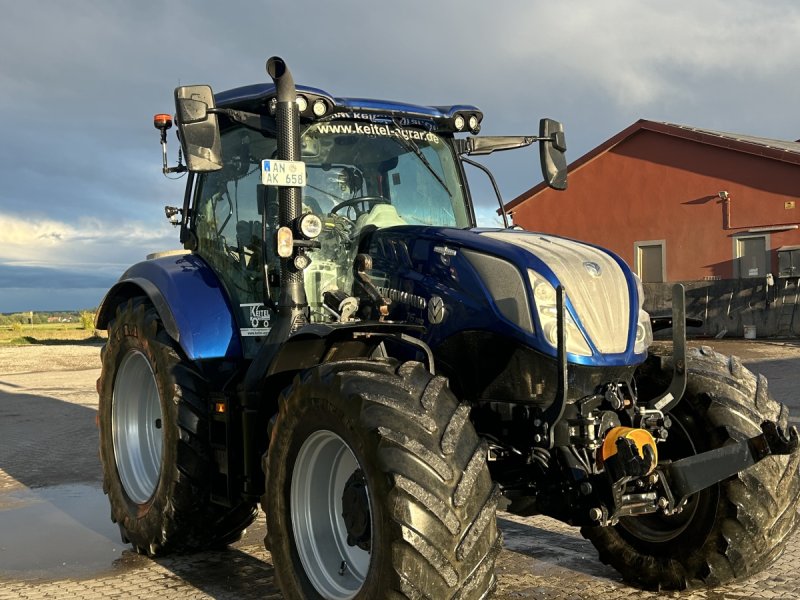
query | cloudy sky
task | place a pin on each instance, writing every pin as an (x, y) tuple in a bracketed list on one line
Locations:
[(82, 192)]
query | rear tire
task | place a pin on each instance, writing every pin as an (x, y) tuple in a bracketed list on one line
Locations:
[(153, 418), (377, 487), (730, 530)]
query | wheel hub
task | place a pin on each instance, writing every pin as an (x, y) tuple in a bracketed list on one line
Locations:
[(355, 511), (329, 505), (136, 427)]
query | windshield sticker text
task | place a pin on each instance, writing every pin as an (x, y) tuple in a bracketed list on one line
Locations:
[(382, 118), (374, 129)]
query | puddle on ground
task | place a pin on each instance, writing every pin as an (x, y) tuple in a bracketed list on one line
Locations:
[(57, 533)]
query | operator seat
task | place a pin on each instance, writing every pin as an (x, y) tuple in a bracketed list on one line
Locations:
[(381, 215), (248, 240)]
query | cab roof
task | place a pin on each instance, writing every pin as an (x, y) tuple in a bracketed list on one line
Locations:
[(256, 98)]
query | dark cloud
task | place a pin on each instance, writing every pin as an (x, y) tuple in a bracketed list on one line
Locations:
[(81, 81), (16, 300), (26, 277)]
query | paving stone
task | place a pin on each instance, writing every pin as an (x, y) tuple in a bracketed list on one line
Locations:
[(543, 559)]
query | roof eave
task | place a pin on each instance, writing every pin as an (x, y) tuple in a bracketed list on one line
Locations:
[(670, 129)]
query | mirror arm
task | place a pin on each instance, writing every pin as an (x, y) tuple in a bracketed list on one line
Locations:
[(254, 121), (485, 169), (486, 145)]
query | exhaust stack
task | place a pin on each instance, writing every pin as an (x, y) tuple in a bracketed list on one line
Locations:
[(292, 302)]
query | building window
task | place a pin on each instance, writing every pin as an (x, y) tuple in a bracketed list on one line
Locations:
[(789, 261), (649, 260), (750, 254)]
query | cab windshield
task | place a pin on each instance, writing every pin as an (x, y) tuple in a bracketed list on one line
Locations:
[(359, 177), (411, 172)]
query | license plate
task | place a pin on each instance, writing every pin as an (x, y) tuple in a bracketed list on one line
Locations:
[(283, 173)]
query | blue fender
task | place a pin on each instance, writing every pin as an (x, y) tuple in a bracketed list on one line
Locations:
[(190, 300)]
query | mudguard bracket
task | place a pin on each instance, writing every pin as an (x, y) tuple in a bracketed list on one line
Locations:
[(680, 374)]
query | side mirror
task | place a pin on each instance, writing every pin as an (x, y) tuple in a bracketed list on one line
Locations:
[(191, 111), (198, 128), (552, 151)]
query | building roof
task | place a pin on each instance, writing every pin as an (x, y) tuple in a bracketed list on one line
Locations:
[(781, 145), (775, 149)]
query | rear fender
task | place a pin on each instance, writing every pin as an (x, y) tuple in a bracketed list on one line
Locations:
[(190, 300)]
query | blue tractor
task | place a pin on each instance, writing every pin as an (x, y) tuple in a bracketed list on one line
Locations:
[(340, 342)]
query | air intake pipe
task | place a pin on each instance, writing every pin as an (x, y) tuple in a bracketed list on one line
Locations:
[(292, 299)]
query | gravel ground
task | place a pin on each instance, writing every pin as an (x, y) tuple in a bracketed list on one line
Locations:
[(56, 540), (35, 358)]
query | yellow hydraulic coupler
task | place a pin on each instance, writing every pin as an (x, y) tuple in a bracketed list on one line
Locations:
[(633, 438)]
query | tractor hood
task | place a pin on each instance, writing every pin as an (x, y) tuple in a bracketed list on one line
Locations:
[(596, 283), (506, 281)]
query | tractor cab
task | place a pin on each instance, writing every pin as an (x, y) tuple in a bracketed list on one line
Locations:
[(355, 182), (365, 165)]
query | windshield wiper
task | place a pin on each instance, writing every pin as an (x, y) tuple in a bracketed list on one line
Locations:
[(412, 146), (334, 196)]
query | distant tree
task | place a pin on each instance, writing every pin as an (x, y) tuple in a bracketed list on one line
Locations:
[(87, 320)]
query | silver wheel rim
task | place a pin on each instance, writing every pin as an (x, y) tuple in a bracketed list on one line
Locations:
[(324, 464), (136, 426)]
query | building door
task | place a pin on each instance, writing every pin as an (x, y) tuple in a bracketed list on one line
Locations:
[(650, 261), (751, 256)]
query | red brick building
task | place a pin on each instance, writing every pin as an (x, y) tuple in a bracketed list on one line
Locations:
[(680, 203)]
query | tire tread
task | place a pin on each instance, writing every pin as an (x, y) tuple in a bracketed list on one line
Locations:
[(182, 518), (757, 511)]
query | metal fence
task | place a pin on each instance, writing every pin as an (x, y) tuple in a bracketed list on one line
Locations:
[(734, 307)]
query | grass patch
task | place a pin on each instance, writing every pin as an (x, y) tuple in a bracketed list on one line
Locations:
[(19, 341), (49, 333)]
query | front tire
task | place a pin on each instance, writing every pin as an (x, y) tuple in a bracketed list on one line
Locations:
[(730, 530), (153, 418), (377, 487)]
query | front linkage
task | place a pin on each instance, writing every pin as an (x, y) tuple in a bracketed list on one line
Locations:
[(628, 478)]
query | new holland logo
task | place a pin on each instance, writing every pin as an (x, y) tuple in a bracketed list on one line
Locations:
[(592, 268), (435, 310)]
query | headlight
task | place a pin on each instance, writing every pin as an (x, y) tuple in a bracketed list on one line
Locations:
[(319, 108), (644, 333), (639, 289), (644, 330), (544, 296), (310, 225)]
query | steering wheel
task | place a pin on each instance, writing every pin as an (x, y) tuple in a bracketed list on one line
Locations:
[(361, 205)]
